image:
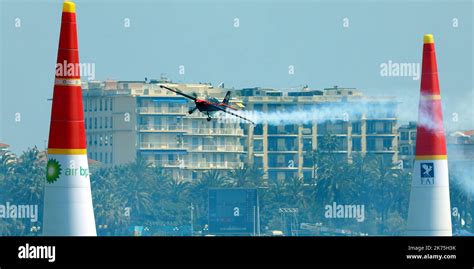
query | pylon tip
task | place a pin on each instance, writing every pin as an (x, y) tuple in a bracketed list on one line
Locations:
[(428, 39), (69, 6)]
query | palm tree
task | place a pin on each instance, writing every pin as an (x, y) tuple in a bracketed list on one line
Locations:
[(7, 162), (24, 184), (177, 189), (136, 186), (327, 167), (384, 189), (246, 176), (108, 203), (239, 177), (294, 190)]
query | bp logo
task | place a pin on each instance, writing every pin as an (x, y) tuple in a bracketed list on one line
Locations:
[(53, 170)]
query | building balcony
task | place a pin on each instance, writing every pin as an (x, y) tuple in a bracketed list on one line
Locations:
[(168, 164), (161, 146), (212, 165), (380, 133), (162, 128), (283, 167), (283, 134), (162, 110), (283, 150), (386, 151), (216, 131), (381, 117), (215, 148), (322, 133)]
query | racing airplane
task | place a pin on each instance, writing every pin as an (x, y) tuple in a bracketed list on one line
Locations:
[(210, 105)]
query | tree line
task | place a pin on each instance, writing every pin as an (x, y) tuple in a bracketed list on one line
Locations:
[(138, 194)]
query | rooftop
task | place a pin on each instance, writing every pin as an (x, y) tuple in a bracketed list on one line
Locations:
[(2, 145)]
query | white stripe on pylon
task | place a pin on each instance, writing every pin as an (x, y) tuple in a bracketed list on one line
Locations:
[(68, 209), (429, 212), (67, 81)]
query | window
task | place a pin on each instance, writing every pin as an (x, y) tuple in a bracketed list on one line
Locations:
[(95, 123), (272, 144), (289, 144), (404, 150), (100, 104), (111, 123), (90, 123), (272, 176), (307, 145), (370, 144), (289, 129), (272, 160), (356, 146), (371, 128), (105, 104), (307, 161), (85, 123), (100, 123), (387, 144), (258, 145), (404, 136), (356, 128), (111, 103), (272, 129), (106, 122)]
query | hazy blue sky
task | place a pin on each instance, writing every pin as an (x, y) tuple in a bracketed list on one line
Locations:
[(200, 35)]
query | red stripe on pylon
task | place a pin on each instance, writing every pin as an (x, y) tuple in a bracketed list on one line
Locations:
[(430, 138), (67, 116), (429, 71)]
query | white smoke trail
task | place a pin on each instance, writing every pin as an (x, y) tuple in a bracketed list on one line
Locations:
[(320, 113), (463, 175)]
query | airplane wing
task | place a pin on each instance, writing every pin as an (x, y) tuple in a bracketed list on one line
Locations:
[(179, 92), (233, 114)]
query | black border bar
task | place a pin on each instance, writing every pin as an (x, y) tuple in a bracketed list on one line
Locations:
[(241, 250)]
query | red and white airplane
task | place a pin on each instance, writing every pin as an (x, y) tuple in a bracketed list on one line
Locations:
[(210, 105)]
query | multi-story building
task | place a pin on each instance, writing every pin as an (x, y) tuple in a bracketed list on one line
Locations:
[(3, 147), (407, 144), (285, 150), (129, 119), (126, 119), (459, 145)]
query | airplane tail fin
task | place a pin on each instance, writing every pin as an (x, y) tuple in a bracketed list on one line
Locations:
[(226, 98)]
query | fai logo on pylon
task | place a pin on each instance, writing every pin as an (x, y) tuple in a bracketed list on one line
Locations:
[(53, 170), (427, 173)]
